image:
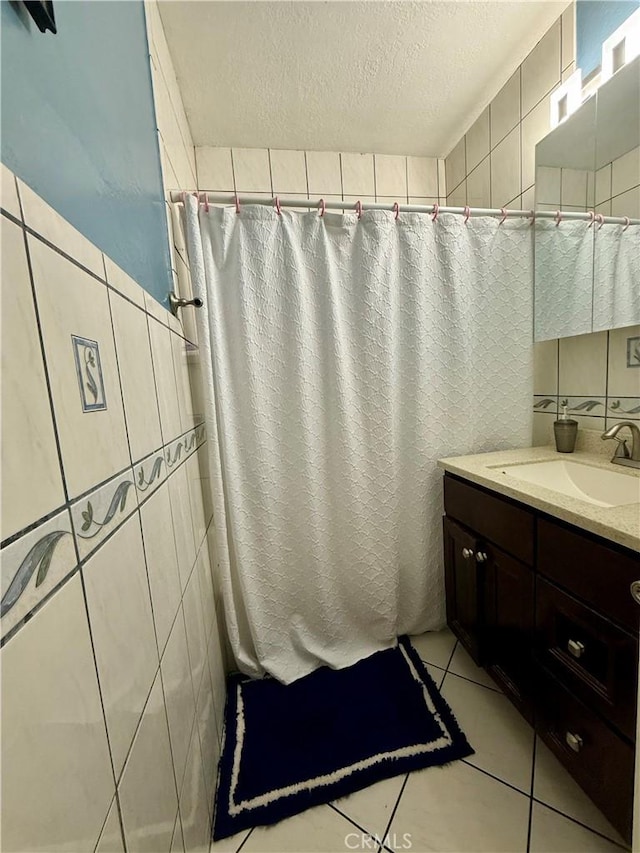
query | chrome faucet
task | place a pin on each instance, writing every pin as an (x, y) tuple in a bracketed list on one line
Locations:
[(622, 455)]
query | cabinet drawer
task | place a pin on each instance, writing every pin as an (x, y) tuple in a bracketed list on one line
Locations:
[(501, 522), (598, 759), (595, 572), (592, 656)]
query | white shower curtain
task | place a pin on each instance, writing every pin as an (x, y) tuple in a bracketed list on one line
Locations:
[(342, 358)]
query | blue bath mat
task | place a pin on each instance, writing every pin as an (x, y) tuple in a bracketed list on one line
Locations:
[(333, 732)]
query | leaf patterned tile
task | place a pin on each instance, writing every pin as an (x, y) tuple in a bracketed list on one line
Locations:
[(33, 565), (149, 473), (102, 511)]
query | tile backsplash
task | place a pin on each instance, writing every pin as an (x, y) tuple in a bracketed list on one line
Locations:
[(112, 660), (597, 375)]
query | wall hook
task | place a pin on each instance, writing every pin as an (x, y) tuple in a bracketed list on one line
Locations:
[(176, 302)]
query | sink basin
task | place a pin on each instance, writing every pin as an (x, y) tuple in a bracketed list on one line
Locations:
[(588, 483)]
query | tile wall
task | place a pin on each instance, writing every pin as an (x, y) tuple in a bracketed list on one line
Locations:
[(321, 174), (112, 670), (493, 165)]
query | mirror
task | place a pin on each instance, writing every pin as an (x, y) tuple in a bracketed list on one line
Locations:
[(587, 275)]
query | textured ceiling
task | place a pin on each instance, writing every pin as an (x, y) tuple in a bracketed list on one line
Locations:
[(387, 77)]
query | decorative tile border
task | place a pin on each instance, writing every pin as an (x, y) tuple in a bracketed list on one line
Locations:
[(593, 406), (102, 511), (89, 371), (38, 561), (548, 405), (33, 566), (149, 473), (624, 407)]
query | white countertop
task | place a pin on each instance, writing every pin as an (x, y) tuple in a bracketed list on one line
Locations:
[(619, 524)]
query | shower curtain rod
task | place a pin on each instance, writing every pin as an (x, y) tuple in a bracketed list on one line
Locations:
[(238, 201)]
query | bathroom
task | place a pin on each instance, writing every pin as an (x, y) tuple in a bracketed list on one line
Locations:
[(302, 401)]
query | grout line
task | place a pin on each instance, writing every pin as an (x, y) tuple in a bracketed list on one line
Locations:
[(270, 171), (496, 778), (341, 176), (579, 823), (533, 773), (395, 808), (245, 839), (119, 375)]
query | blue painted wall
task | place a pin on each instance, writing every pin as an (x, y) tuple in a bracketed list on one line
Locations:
[(79, 127), (595, 21)]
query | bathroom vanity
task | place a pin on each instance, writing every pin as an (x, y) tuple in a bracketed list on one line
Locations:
[(538, 591)]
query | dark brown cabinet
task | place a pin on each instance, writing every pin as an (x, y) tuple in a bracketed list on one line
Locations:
[(546, 609)]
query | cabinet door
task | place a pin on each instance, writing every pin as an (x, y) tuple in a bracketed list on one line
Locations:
[(509, 609), (463, 586)]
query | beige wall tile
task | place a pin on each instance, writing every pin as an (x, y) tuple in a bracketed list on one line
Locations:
[(603, 184), (122, 629), (574, 188), (252, 170), (32, 480), (535, 127), (505, 170), (583, 366), (541, 69), (545, 364), (627, 204), (548, 185), (44, 220), (147, 789), (136, 377), (193, 800), (123, 283), (458, 198), (166, 391), (478, 140), (505, 109), (215, 171), (391, 176), (55, 757), (70, 302), (110, 840), (182, 523), (358, 174), (455, 166), (288, 172), (8, 192), (323, 169), (568, 24), (479, 185), (625, 172), (422, 177)]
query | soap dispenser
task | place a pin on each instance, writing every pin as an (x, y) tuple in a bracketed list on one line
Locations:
[(565, 430)]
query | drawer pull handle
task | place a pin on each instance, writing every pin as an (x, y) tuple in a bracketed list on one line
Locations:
[(467, 553), (635, 591), (575, 648), (481, 557), (574, 741)]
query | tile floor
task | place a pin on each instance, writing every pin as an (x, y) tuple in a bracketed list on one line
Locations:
[(511, 796)]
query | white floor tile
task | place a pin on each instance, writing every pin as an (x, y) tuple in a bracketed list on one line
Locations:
[(502, 739), (318, 830), (463, 664), (435, 646), (371, 808), (554, 786), (553, 833), (436, 673), (459, 809)]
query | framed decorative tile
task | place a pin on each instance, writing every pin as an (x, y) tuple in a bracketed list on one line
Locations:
[(593, 406), (99, 513), (624, 407), (633, 352), (89, 371), (33, 565)]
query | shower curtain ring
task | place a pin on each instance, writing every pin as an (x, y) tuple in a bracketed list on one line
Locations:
[(359, 209), (592, 217), (205, 199), (321, 207), (467, 213), (532, 216), (503, 211), (237, 201), (396, 209), (558, 218), (276, 203), (600, 220), (436, 208), (184, 199), (626, 224)]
